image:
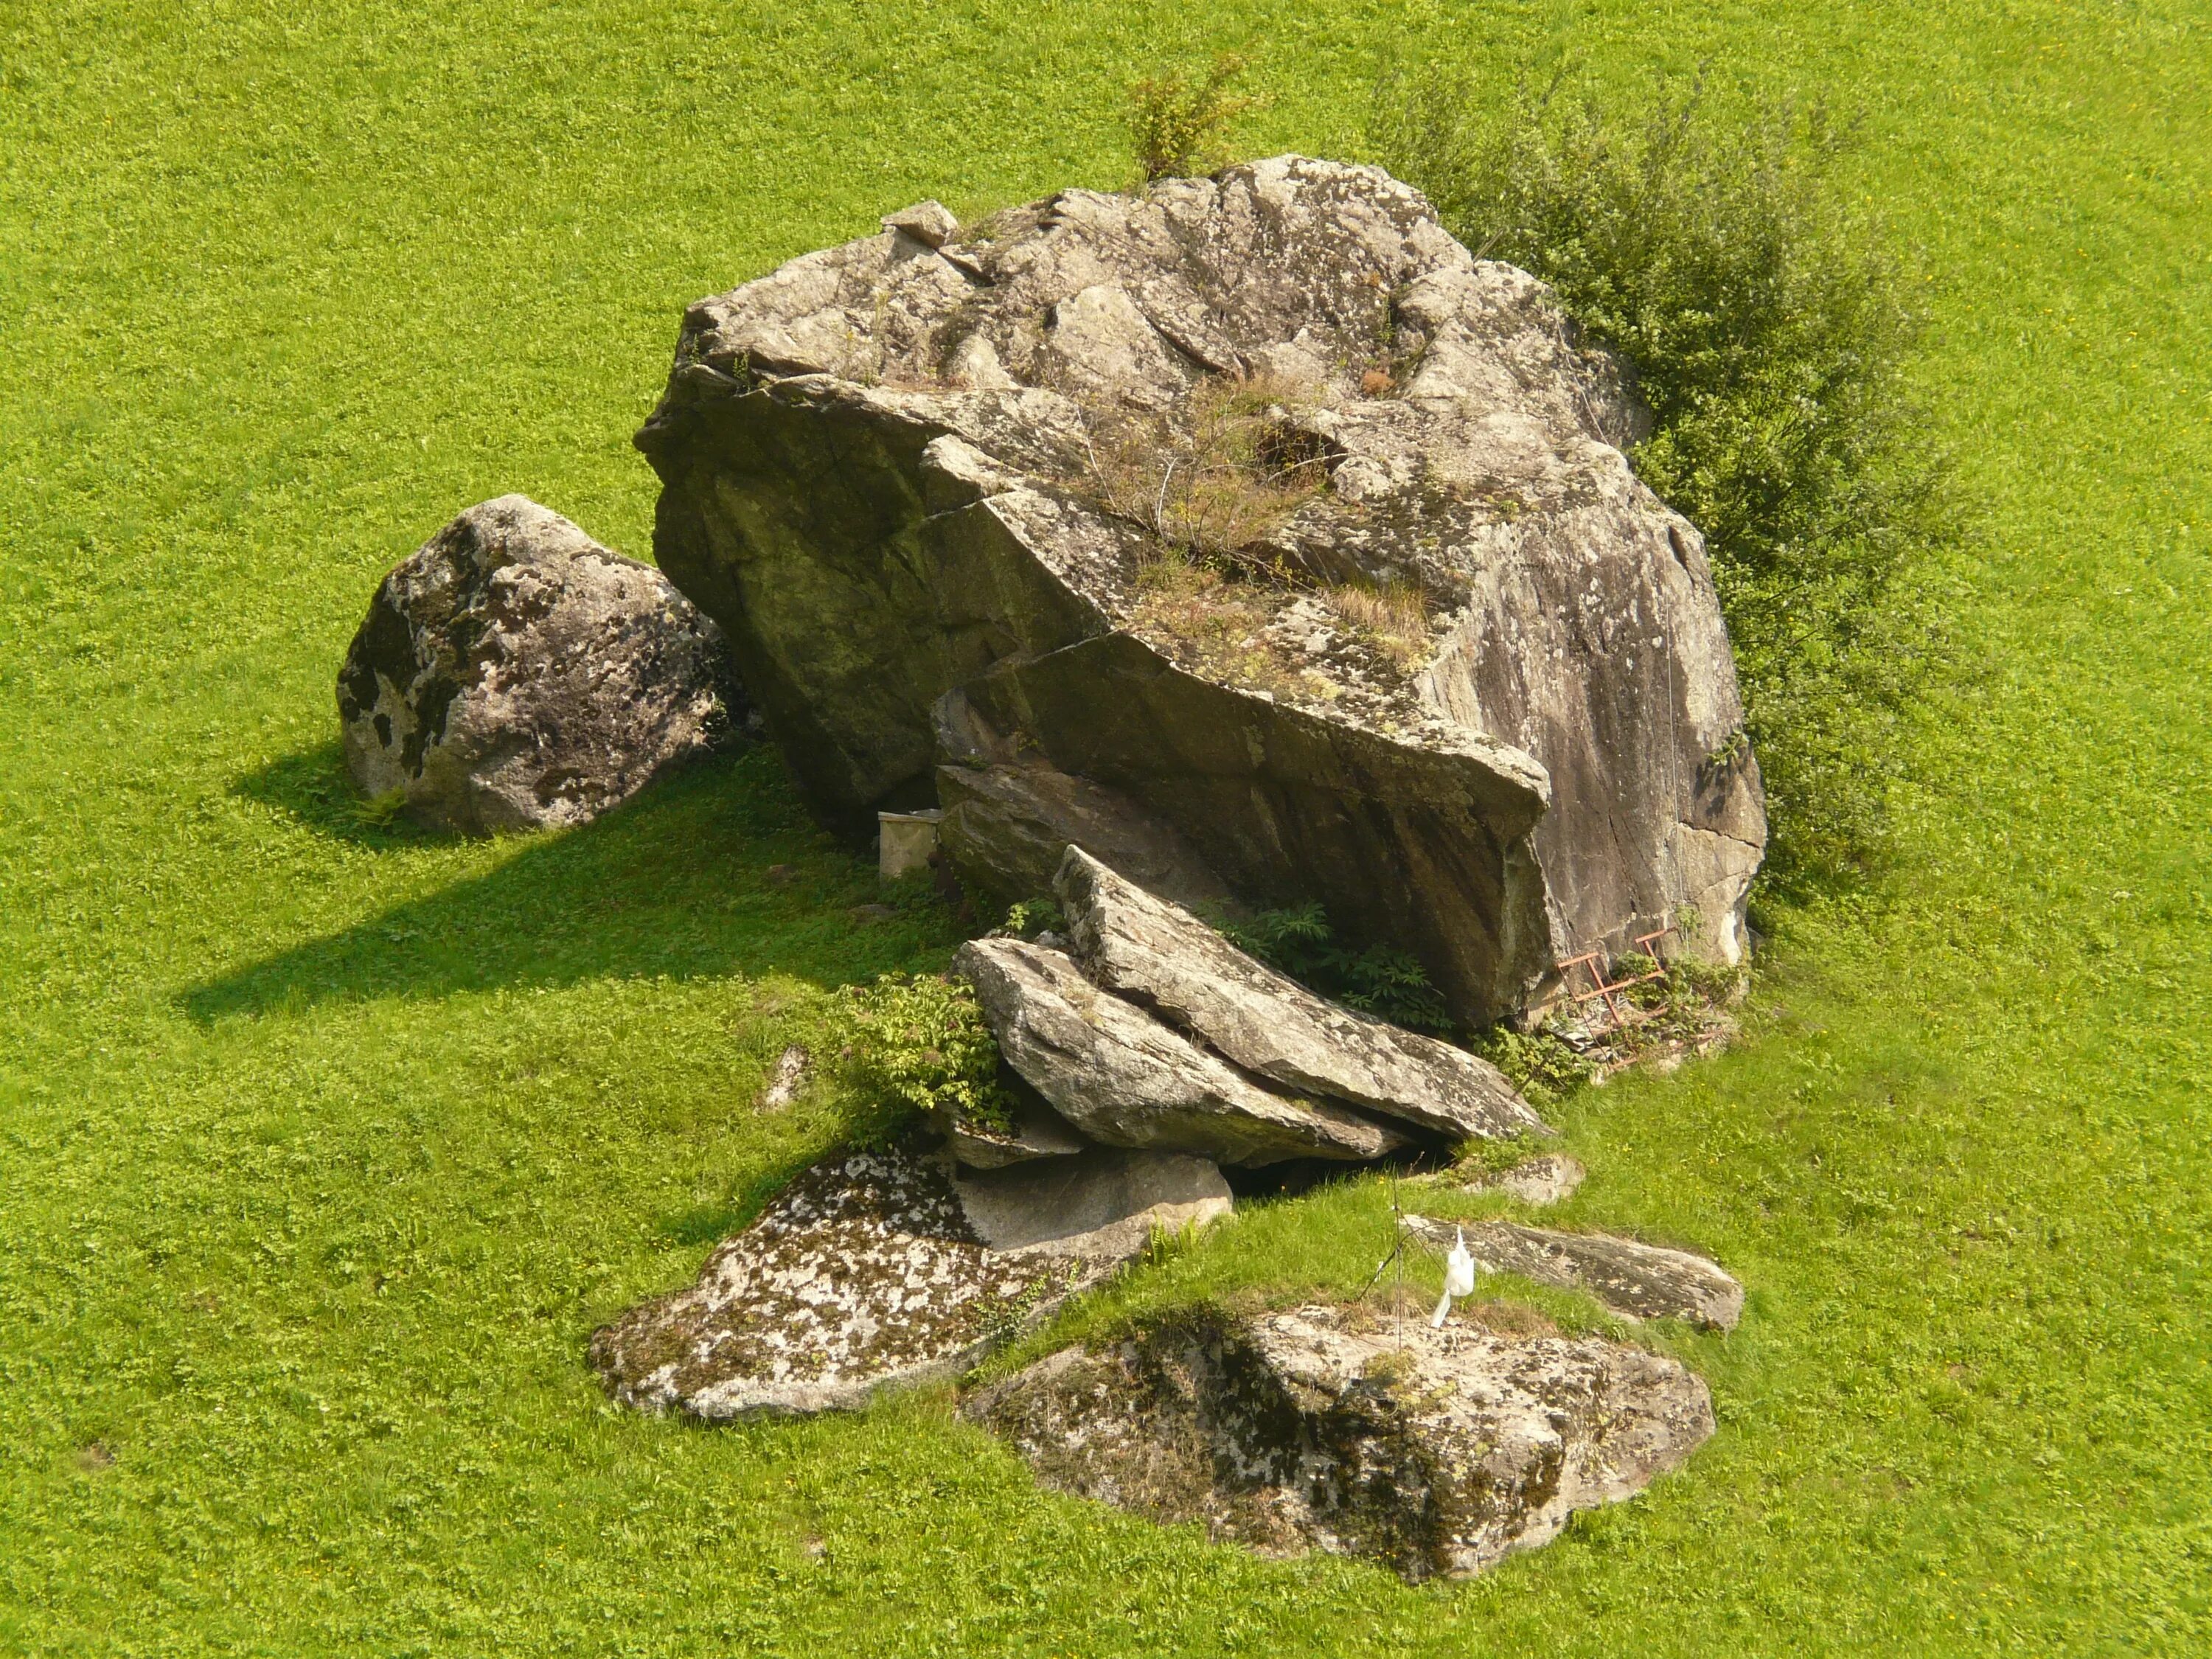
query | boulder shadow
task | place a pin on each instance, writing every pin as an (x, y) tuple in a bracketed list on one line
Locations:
[(714, 871)]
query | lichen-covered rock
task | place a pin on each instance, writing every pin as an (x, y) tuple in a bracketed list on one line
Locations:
[(1434, 1451), (513, 674), (907, 465), (1124, 1078), (867, 1273), (1635, 1280), (1161, 956)]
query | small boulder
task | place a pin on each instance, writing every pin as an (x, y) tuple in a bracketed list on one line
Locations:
[(865, 1273), (1434, 1451), (1032, 1130), (1163, 957), (1102, 1204), (1635, 1280), (513, 674), (1124, 1078)]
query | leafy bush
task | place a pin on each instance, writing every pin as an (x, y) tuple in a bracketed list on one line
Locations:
[(1380, 980), (919, 1041), (1177, 122), (1767, 325)]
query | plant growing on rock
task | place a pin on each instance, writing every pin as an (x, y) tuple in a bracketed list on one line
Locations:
[(1767, 325), (1177, 122), (1379, 979), (919, 1041)]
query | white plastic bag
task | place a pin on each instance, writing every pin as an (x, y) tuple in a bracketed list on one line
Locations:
[(1459, 1277)]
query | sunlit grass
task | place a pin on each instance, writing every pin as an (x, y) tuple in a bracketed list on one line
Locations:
[(323, 1146)]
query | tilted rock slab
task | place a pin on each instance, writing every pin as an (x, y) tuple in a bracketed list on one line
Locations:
[(1161, 956), (1641, 1281), (869, 1272), (880, 474), (1010, 814), (1124, 1078), (1437, 1452), (512, 674)]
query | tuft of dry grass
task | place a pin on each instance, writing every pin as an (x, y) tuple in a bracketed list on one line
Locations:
[(1219, 474), (1394, 618), (1219, 623)]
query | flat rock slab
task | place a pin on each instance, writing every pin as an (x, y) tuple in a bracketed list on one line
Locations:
[(1546, 1178), (1160, 954), (1101, 1204), (513, 674), (1436, 1452), (1641, 1281), (1124, 1078)]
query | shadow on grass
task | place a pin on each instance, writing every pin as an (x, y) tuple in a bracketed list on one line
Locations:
[(676, 884)]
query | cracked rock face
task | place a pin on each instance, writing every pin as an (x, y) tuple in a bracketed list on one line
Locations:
[(1433, 1451), (878, 1269), (513, 674), (1465, 683)]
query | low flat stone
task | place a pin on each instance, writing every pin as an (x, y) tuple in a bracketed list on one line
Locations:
[(864, 1274), (1638, 1281), (1434, 1451), (1102, 1204), (1124, 1078), (1546, 1178), (1033, 1131), (1160, 954)]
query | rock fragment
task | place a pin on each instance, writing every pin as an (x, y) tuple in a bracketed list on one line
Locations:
[(1435, 1452), (1123, 1078), (865, 1273), (1101, 1204), (1546, 1178), (1637, 1280), (513, 674), (1159, 955)]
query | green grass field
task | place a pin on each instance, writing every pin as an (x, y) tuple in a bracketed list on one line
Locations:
[(323, 1149)]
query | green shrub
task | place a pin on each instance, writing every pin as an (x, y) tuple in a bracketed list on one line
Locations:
[(919, 1043), (1381, 980), (1767, 325), (1177, 122)]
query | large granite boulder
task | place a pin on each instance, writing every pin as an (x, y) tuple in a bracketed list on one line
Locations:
[(1435, 1452), (513, 674), (880, 1269), (1257, 502)]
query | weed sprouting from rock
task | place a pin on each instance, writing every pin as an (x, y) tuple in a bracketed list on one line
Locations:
[(919, 1043), (1177, 122), (1379, 979), (1767, 325), (1221, 474)]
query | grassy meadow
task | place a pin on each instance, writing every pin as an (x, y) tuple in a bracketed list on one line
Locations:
[(324, 1147)]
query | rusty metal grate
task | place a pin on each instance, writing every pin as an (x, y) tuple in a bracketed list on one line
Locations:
[(1592, 963)]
